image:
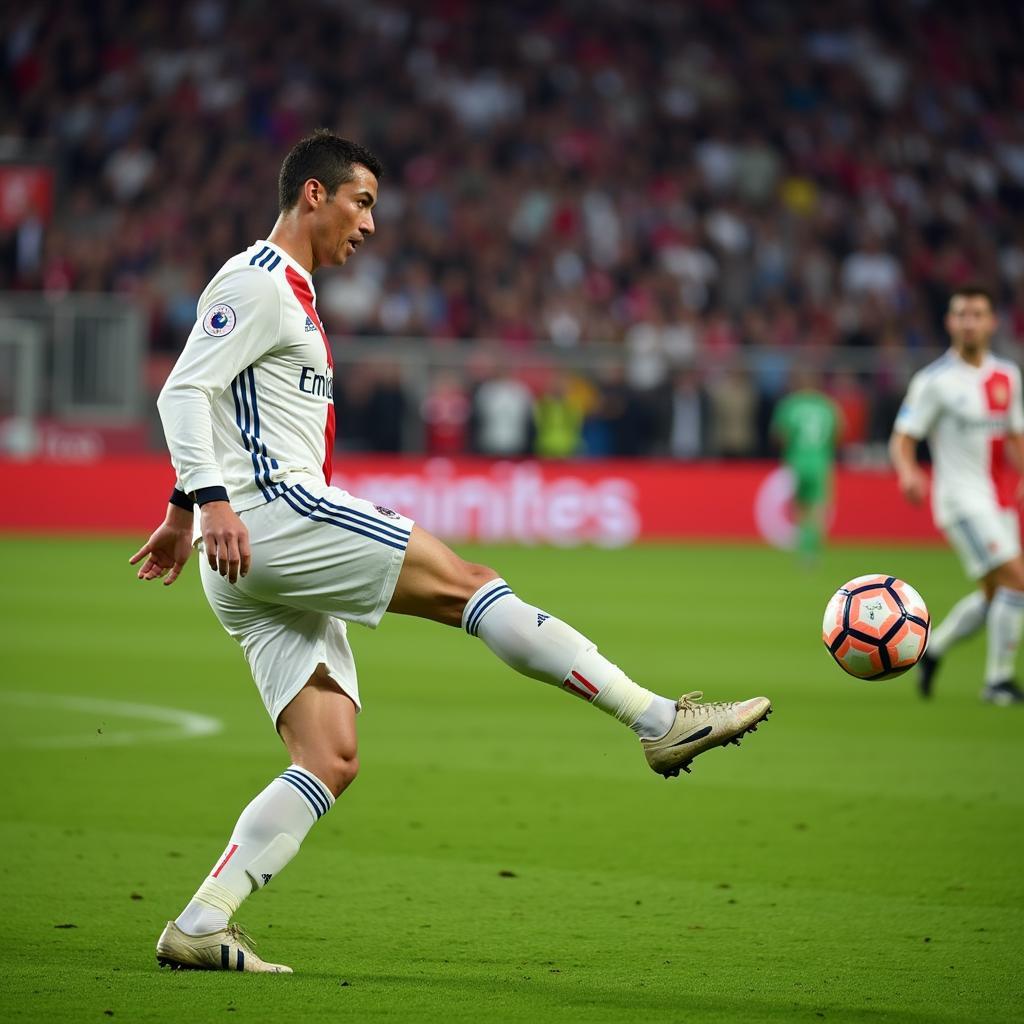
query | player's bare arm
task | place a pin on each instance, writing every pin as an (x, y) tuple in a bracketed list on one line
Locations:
[(912, 478), (226, 540), (168, 548)]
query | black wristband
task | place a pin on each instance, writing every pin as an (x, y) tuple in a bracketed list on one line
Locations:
[(203, 495), (181, 500)]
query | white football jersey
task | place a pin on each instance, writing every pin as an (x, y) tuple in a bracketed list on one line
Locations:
[(965, 412), (249, 405)]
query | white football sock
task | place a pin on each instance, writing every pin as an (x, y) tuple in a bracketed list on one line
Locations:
[(267, 836), (1005, 621), (967, 616), (540, 646)]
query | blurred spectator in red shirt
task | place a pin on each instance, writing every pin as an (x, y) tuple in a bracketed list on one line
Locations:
[(445, 412)]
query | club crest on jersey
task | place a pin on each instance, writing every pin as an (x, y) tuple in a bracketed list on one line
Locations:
[(219, 320)]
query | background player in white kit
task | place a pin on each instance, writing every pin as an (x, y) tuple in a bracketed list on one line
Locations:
[(249, 420), (968, 405)]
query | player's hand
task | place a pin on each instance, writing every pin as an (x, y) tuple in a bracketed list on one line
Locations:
[(226, 540), (914, 485), (168, 548)]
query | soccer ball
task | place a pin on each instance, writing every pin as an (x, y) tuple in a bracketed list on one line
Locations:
[(876, 627)]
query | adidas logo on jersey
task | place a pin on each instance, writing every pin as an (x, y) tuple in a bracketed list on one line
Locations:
[(310, 326), (542, 618)]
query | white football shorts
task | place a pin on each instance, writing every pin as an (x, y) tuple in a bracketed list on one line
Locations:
[(320, 558), (985, 541)]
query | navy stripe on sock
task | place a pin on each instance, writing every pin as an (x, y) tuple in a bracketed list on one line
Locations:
[(313, 796), (311, 787), (313, 781), (477, 613), (496, 587)]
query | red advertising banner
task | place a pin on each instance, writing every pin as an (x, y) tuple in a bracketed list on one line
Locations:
[(56, 441), (608, 503)]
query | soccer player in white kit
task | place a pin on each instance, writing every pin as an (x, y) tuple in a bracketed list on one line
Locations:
[(968, 405), (289, 560)]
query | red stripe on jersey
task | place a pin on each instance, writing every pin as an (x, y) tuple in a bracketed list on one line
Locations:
[(997, 399), (1002, 474), (300, 289), (586, 682), (569, 685), (227, 856), (329, 443)]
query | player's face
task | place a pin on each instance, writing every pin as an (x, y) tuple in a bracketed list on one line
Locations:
[(970, 322), (346, 219)]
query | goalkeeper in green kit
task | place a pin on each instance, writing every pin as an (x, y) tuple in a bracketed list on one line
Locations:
[(806, 424)]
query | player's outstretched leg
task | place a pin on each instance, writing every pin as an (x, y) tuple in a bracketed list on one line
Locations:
[(965, 618), (437, 584), (543, 647)]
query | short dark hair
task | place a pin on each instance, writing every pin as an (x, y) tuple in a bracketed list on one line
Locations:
[(324, 156), (973, 290)]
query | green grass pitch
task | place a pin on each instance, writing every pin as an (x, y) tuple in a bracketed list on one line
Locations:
[(506, 854)]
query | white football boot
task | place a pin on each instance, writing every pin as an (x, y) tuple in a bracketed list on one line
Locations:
[(227, 950), (699, 727)]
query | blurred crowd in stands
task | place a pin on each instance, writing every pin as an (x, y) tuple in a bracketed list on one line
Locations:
[(692, 183), (496, 410)]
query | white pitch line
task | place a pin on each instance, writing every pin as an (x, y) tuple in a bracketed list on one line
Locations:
[(182, 724)]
